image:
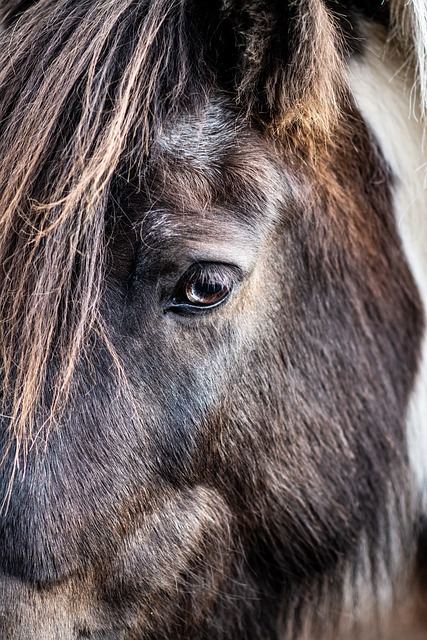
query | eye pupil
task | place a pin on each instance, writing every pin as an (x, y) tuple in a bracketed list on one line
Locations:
[(202, 292)]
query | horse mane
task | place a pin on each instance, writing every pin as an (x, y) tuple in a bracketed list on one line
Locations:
[(70, 121), (409, 31)]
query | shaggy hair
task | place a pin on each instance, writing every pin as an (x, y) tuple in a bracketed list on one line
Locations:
[(217, 475), (409, 29), (73, 103)]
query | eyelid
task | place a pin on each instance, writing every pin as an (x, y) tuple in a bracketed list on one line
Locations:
[(240, 256), (216, 271)]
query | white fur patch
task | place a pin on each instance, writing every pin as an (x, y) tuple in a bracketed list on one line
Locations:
[(384, 96)]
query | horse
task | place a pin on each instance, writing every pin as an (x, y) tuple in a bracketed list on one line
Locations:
[(212, 320)]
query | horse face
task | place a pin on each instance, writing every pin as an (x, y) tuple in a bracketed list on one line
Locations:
[(233, 432), (227, 408), (125, 479)]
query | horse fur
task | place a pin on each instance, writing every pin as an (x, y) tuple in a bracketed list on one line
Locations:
[(410, 29), (241, 473)]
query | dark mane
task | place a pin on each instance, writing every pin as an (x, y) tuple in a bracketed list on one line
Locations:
[(59, 153)]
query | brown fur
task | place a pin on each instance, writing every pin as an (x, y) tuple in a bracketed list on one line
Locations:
[(233, 473)]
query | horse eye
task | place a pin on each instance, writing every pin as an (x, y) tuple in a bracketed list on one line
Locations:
[(203, 287), (204, 293)]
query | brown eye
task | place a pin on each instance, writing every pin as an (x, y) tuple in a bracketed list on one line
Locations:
[(203, 287), (202, 292)]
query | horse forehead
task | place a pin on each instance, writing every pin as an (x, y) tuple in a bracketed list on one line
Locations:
[(212, 157), (201, 134)]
